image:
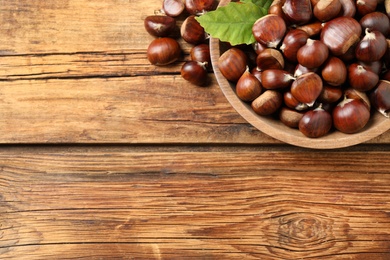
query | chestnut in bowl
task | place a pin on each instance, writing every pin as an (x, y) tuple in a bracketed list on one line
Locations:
[(272, 126)]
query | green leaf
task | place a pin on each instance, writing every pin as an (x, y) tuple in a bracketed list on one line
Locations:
[(261, 3), (233, 23)]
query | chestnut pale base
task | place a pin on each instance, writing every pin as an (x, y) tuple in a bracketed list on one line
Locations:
[(377, 125)]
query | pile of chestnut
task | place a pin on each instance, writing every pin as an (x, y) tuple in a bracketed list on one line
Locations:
[(165, 48), (317, 65)]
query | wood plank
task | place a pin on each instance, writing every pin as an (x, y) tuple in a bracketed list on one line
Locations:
[(83, 65), (108, 92), (70, 26), (122, 110), (143, 202), (142, 109)]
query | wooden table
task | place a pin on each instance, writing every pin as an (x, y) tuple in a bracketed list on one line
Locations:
[(104, 156)]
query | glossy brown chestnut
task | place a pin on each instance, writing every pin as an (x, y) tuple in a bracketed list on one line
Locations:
[(191, 31), (326, 10), (313, 54), (350, 116), (376, 21), (198, 7), (334, 71), (340, 34), (298, 11), (232, 64), (267, 103), (270, 59), (348, 8), (276, 8), (315, 123), (159, 25), (276, 79), (201, 53), (307, 87), (248, 87), (293, 40), (173, 8), (194, 72), (366, 6), (372, 47), (269, 30), (330, 94), (163, 51), (380, 98), (362, 78)]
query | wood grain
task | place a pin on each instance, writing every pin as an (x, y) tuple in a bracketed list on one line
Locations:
[(103, 156), (77, 72), (220, 203)]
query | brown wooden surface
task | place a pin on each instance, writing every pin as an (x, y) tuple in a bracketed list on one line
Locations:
[(104, 156)]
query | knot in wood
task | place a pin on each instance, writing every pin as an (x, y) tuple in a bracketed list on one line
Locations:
[(304, 231)]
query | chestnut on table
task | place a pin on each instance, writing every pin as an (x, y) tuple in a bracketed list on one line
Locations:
[(105, 156)]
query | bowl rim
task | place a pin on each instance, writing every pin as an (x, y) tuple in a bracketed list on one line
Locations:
[(377, 125)]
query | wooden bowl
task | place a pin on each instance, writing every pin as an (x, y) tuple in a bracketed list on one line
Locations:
[(377, 125)]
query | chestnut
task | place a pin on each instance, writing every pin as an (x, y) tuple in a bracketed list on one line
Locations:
[(315, 123), (270, 59), (197, 7), (364, 7), (340, 34), (290, 117), (201, 53), (191, 31), (330, 94), (372, 47), (194, 72), (159, 25), (294, 39), (326, 10), (267, 103), (248, 87), (298, 11), (276, 79), (380, 98), (334, 72), (276, 8), (362, 78), (173, 8), (376, 21), (313, 54), (307, 87), (348, 8), (232, 64), (269, 30), (163, 51), (350, 115)]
